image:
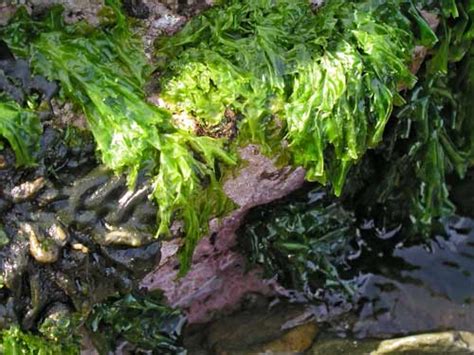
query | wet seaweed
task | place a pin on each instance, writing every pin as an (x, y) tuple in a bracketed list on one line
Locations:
[(304, 241)]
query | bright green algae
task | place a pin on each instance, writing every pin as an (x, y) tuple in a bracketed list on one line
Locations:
[(329, 77)]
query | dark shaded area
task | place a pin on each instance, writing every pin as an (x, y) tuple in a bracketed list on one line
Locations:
[(136, 8), (19, 84), (398, 284)]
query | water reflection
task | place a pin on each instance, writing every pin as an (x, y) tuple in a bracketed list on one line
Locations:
[(418, 288)]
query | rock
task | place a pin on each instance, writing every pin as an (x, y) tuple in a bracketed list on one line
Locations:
[(343, 346), (6, 12), (219, 278), (161, 21), (75, 10), (44, 251), (431, 343), (27, 190), (261, 330), (140, 259), (65, 115)]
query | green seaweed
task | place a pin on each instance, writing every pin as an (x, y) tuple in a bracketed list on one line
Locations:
[(328, 78), (431, 136)]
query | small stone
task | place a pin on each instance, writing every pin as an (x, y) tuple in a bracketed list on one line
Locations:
[(43, 251), (80, 247), (455, 342), (58, 234), (27, 190)]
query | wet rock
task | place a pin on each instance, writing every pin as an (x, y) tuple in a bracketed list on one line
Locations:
[(140, 259), (13, 264), (136, 8), (188, 5), (75, 10), (65, 115), (7, 314), (69, 241), (45, 251), (257, 330), (219, 278), (6, 12), (101, 203), (160, 21)]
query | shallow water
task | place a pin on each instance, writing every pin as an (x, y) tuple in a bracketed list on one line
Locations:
[(416, 288)]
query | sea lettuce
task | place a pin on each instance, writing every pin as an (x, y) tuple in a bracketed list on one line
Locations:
[(431, 138), (329, 81), (326, 79)]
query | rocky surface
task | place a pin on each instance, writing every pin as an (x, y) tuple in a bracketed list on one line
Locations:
[(71, 234), (219, 279)]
